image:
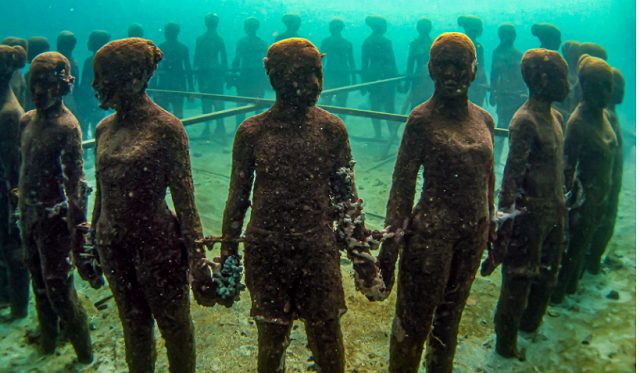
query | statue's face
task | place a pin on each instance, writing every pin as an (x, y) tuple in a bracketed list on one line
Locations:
[(597, 91), (105, 85), (557, 84), (453, 70), (300, 82), (46, 88)]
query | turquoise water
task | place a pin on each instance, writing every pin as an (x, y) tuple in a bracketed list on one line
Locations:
[(589, 332)]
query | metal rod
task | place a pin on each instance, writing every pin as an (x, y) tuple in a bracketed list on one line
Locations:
[(362, 85), (88, 144)]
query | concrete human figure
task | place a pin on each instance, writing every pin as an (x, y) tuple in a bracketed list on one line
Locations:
[(530, 245), (91, 112), (174, 73), (549, 35), (65, 44), (339, 64), (441, 240), (571, 51), (52, 204), (35, 46), (420, 85), (379, 62), (135, 30), (301, 159), (472, 26), (18, 84), (605, 230), (508, 91), (210, 64), (150, 255), (292, 22), (250, 79), (14, 283), (590, 148)]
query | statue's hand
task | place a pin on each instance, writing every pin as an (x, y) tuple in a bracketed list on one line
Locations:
[(368, 278), (85, 256), (202, 284)]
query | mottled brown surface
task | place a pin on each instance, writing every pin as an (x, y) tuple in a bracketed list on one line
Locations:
[(142, 151), (604, 232), (52, 203), (531, 244), (589, 147), (14, 284), (444, 235), (295, 151)]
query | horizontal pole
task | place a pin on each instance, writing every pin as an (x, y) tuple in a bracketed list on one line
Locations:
[(362, 85), (88, 144)]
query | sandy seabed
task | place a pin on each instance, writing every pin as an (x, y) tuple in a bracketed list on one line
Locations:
[(587, 333)]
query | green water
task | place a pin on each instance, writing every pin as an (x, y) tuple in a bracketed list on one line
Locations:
[(587, 333)]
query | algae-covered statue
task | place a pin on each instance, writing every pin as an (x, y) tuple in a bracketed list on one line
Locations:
[(174, 73), (421, 86), (35, 46), (15, 282), (52, 204), (339, 64), (508, 91), (65, 44), (444, 235), (292, 22), (531, 212), (18, 84), (472, 26), (549, 35), (88, 105), (210, 65), (301, 159), (590, 147), (605, 230), (149, 254), (378, 63)]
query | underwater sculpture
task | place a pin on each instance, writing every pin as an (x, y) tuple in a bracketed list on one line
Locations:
[(88, 105), (472, 26), (250, 79), (548, 34), (339, 64), (174, 73), (18, 84), (135, 30), (52, 203), (508, 91), (444, 236), (14, 283), (531, 212), (605, 231), (149, 255), (421, 86), (292, 22), (65, 44), (571, 50), (35, 46), (304, 180), (379, 62), (210, 65), (590, 148)]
